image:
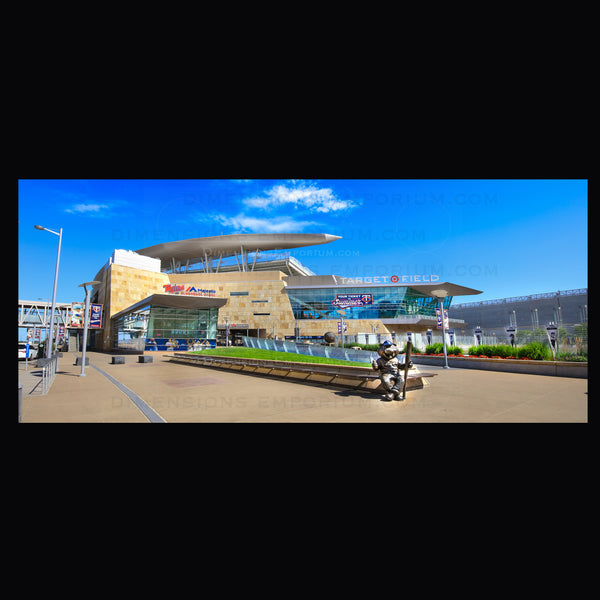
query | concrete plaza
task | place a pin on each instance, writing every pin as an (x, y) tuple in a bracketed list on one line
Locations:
[(181, 393)]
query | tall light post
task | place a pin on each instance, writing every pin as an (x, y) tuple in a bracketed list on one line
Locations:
[(86, 320), (440, 295), (59, 234)]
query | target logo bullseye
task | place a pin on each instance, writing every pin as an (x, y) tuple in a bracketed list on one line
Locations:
[(394, 279)]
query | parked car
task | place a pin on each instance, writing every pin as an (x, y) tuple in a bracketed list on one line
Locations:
[(32, 351)]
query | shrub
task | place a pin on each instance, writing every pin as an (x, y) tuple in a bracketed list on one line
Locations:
[(438, 348), (434, 348), (572, 356), (481, 350), (535, 351), (503, 350), (456, 350), (413, 351), (498, 350)]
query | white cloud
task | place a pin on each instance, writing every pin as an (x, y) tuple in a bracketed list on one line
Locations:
[(86, 208), (243, 223), (301, 195)]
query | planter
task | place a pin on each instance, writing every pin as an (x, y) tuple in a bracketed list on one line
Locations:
[(363, 378), (508, 365)]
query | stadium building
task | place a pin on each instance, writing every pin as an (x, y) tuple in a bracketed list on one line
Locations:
[(186, 292), (568, 309)]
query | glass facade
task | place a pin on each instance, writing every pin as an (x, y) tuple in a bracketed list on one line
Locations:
[(388, 303), (171, 328)]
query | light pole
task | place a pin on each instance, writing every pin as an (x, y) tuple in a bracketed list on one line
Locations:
[(86, 320), (49, 340), (440, 294)]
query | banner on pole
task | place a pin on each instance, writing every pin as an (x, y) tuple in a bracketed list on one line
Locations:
[(511, 332), (439, 318), (95, 316), (76, 314)]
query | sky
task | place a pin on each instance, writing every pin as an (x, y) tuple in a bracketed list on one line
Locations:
[(503, 237)]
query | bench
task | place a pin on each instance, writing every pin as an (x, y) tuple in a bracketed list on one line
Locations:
[(346, 376)]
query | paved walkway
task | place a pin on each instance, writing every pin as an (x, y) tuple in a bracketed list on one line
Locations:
[(182, 393), (30, 377)]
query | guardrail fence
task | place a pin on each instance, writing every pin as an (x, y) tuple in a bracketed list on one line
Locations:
[(309, 349), (49, 368)]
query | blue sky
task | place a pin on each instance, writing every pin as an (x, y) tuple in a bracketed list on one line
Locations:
[(505, 237)]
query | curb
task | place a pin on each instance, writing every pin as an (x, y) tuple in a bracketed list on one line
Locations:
[(508, 365)]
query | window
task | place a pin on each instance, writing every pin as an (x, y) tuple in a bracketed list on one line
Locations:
[(239, 293), (388, 303), (161, 323)]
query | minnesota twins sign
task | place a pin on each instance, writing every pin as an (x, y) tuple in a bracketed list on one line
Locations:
[(351, 300)]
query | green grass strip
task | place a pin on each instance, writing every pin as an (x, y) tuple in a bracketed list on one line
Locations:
[(273, 355)]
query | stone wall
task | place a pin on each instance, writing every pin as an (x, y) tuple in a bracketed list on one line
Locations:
[(263, 306), (121, 287)]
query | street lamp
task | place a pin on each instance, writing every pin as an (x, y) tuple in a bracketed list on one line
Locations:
[(440, 294), (59, 234), (86, 319)]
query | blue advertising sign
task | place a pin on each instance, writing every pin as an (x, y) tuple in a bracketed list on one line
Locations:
[(95, 316), (352, 300)]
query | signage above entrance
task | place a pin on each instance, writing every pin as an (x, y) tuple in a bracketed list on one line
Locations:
[(188, 290), (382, 279)]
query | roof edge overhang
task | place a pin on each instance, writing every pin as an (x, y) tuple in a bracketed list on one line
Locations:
[(174, 301), (331, 281), (225, 246)]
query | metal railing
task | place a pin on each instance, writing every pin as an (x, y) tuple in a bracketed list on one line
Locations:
[(49, 368), (362, 356)]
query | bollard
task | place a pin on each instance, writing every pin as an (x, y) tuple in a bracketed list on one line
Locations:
[(78, 361), (118, 360), (145, 359)]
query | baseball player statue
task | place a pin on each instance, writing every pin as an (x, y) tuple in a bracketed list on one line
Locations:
[(391, 370)]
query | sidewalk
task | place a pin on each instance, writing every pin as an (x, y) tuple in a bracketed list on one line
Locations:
[(30, 378), (182, 393), (74, 399)]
